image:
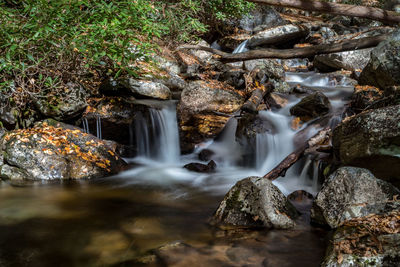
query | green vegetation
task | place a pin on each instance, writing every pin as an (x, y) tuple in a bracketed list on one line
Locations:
[(45, 44)]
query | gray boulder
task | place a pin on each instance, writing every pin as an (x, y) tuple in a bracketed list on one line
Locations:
[(349, 60), (68, 104), (278, 35), (255, 202), (350, 193), (371, 140), (147, 89), (56, 151), (261, 18), (383, 69)]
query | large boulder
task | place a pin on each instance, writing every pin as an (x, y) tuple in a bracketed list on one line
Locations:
[(371, 140), (204, 109), (349, 60), (349, 193), (262, 17), (383, 69), (311, 106), (255, 202), (56, 152), (278, 35), (68, 104), (373, 240)]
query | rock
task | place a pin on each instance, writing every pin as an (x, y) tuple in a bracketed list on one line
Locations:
[(255, 202), (349, 60), (67, 104), (371, 140), (188, 63), (278, 35), (204, 109), (230, 42), (262, 17), (201, 55), (312, 106), (350, 193), (199, 167), (364, 96), (271, 67), (206, 154), (146, 89), (383, 69), (47, 152), (368, 241), (234, 77)]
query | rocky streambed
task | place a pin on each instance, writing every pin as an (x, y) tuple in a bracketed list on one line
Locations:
[(167, 170)]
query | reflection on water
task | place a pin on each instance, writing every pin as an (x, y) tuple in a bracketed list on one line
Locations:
[(106, 223)]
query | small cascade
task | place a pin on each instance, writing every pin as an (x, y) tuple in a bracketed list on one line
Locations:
[(85, 125), (241, 48), (156, 134), (98, 127)]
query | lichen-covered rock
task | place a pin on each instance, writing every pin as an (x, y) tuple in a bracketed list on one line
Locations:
[(371, 140), (204, 109), (311, 106), (56, 152), (66, 105), (373, 240), (349, 193), (383, 69), (255, 202), (276, 35)]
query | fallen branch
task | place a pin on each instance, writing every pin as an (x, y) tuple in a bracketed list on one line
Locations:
[(303, 52), (336, 9), (286, 163)]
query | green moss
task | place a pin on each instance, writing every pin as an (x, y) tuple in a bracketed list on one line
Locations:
[(233, 201)]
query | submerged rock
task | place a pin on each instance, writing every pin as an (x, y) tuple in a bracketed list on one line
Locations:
[(371, 140), (383, 69), (62, 152), (199, 167), (255, 202), (311, 106), (277, 35), (350, 193)]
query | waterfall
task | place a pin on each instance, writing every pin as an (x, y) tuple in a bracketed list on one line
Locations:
[(157, 136), (85, 124), (98, 127), (241, 48)]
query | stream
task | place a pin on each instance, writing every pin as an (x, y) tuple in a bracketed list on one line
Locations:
[(116, 220)]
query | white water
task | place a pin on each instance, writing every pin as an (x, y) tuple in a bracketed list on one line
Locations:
[(161, 163), (241, 48)]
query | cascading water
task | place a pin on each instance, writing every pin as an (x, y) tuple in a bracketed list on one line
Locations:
[(241, 48), (157, 141)]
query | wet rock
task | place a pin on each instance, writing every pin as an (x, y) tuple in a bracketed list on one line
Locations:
[(276, 100), (199, 167), (349, 60), (206, 154), (383, 69), (68, 104), (277, 35), (371, 140), (234, 77), (262, 18), (311, 106), (47, 152), (349, 193), (204, 109), (367, 241), (256, 203)]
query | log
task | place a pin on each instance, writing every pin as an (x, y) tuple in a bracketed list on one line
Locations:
[(302, 52), (336, 9), (286, 163)]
